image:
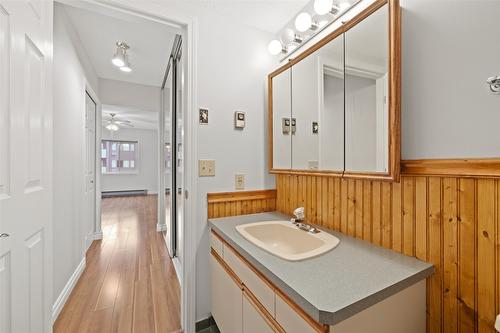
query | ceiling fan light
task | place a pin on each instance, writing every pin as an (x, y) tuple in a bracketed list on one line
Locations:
[(112, 127)]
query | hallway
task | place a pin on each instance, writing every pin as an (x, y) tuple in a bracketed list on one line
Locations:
[(129, 284)]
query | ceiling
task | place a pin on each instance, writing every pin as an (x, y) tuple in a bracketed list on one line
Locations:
[(141, 119), (150, 44), (266, 15)]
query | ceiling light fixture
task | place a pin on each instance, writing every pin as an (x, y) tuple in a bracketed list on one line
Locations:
[(306, 26), (120, 59), (112, 127), (126, 66), (120, 55)]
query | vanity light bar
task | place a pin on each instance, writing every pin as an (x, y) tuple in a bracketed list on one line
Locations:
[(306, 27)]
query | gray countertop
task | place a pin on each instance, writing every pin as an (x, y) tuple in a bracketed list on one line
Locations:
[(336, 285)]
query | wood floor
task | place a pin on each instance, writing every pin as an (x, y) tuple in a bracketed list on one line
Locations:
[(129, 284)]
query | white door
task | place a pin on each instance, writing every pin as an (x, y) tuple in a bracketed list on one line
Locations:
[(90, 156), (25, 166)]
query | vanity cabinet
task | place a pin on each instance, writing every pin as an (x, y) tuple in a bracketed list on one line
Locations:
[(244, 301), (253, 320), (227, 306), (334, 109)]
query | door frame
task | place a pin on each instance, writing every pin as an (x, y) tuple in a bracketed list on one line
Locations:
[(189, 27), (97, 232)]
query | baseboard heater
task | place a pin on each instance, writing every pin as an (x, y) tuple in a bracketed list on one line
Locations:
[(128, 193)]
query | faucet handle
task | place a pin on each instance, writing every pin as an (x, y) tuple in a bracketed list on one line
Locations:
[(299, 214)]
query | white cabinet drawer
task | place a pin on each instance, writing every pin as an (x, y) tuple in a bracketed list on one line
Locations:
[(216, 244), (226, 300), (290, 320), (262, 291), (253, 320)]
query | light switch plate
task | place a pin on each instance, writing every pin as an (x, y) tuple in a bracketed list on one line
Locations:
[(206, 168), (239, 181)]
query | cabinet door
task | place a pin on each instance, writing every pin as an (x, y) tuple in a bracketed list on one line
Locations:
[(253, 320), (226, 300)]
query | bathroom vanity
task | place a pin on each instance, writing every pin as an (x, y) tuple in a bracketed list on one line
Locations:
[(354, 287)]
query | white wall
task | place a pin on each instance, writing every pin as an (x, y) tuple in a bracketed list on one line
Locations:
[(450, 48), (232, 66), (146, 177), (69, 152), (130, 95)]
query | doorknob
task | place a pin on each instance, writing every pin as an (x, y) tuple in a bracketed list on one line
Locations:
[(4, 235)]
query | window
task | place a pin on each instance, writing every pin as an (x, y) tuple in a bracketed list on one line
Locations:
[(119, 156)]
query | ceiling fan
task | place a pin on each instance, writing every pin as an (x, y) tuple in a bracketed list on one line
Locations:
[(114, 124)]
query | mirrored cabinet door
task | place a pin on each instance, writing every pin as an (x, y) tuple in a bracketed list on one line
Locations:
[(366, 94), (282, 122), (331, 105), (318, 110)]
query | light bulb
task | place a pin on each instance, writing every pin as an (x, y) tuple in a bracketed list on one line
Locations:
[(275, 47), (303, 22), (112, 127), (291, 47), (287, 36), (126, 69), (118, 60), (344, 5), (322, 23), (322, 7)]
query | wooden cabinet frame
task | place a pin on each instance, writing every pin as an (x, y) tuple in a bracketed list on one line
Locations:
[(394, 95)]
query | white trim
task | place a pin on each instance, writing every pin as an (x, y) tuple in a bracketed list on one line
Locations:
[(97, 235), (97, 230), (161, 227), (68, 288), (178, 269), (188, 310)]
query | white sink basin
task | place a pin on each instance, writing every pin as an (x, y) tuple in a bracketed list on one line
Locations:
[(285, 240)]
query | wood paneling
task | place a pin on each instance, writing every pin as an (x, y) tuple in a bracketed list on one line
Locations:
[(449, 221), (241, 203), (476, 167)]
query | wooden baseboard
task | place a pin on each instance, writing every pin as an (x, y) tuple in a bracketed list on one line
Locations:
[(483, 168)]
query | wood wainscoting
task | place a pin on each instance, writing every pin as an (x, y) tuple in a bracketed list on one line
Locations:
[(240, 203), (451, 222)]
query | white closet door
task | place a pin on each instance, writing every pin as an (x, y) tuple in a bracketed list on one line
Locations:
[(26, 166)]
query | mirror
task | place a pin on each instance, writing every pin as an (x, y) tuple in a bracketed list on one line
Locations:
[(366, 94), (335, 108), (281, 104), (318, 109)]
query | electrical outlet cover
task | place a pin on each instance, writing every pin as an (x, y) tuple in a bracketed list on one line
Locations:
[(239, 181), (206, 168)]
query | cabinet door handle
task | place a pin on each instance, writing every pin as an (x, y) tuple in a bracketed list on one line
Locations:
[(4, 235)]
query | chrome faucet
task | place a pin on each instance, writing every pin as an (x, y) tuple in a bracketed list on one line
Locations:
[(298, 221)]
